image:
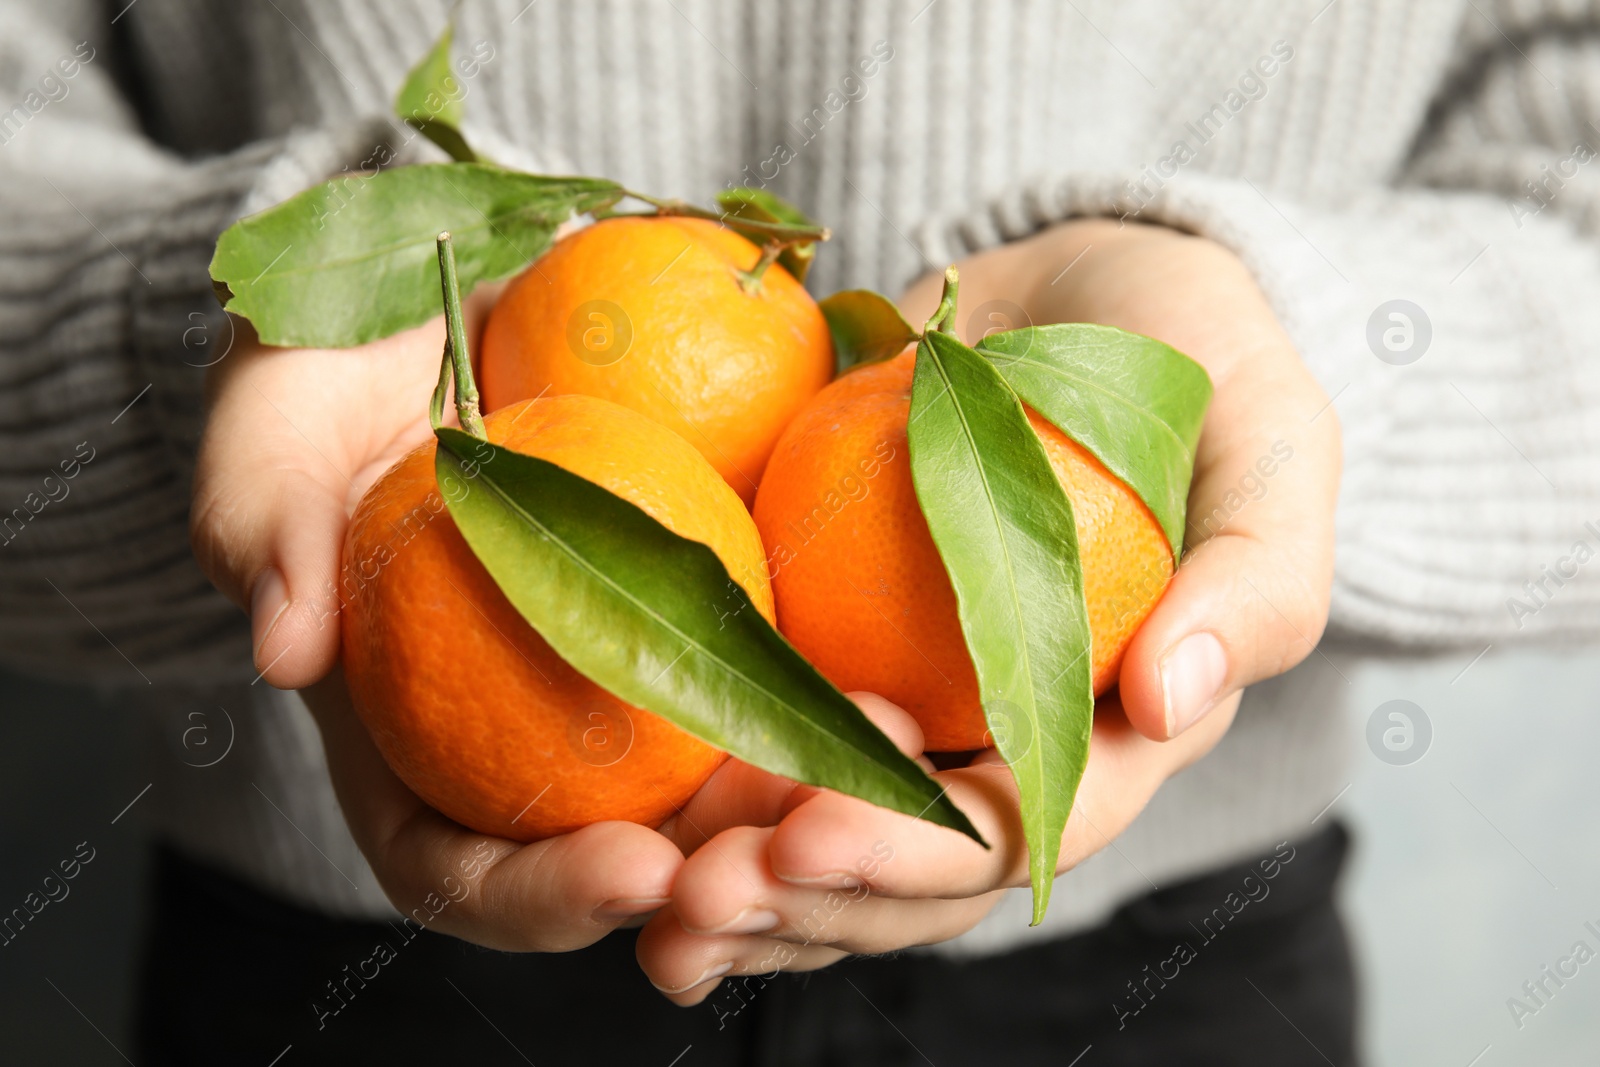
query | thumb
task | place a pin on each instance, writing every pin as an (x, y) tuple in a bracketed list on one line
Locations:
[(292, 437), (266, 526), (1245, 605)]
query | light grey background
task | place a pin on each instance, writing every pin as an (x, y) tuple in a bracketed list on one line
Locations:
[(1479, 864)]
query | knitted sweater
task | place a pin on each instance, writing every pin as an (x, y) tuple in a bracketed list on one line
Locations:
[(1352, 153)]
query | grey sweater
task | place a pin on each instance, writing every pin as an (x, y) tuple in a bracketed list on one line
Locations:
[(1352, 153)]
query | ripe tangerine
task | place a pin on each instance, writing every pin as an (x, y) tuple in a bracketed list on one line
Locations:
[(860, 588), (650, 313), (475, 712)]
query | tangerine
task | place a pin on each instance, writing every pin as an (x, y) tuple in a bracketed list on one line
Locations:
[(651, 313), (475, 712), (860, 587)]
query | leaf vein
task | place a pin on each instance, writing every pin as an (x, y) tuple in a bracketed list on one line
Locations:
[(1117, 398), (665, 624), (400, 246), (1010, 569)]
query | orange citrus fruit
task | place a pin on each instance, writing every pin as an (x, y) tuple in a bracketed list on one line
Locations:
[(473, 710), (860, 587), (650, 313)]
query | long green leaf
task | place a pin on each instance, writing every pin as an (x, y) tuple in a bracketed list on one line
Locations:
[(1005, 530), (1133, 402), (430, 99), (866, 327), (655, 619), (354, 259)]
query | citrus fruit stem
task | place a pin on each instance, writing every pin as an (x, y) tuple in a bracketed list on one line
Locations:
[(457, 360), (750, 280), (944, 316)]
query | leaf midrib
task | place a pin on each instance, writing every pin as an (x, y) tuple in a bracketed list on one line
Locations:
[(385, 250), (651, 613), (1005, 548)]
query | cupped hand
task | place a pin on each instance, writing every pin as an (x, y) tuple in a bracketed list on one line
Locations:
[(838, 876), (1250, 600), (293, 439), (554, 895), (550, 896)]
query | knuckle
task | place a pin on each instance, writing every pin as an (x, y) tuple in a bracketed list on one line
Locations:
[(215, 529), (1295, 615)]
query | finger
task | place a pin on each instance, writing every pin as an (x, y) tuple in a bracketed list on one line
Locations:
[(893, 720), (551, 896), (834, 841), (821, 843), (729, 890), (739, 794), (555, 895), (688, 969)]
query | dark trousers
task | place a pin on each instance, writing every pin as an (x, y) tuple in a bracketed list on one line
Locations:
[(1232, 967)]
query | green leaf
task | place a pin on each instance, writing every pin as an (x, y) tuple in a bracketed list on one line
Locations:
[(431, 100), (762, 205), (758, 205), (1133, 402), (655, 619), (1005, 530), (866, 327), (354, 259)]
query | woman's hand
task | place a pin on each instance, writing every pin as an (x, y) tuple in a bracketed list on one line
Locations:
[(1249, 602), (294, 438), (1251, 597), (838, 876), (553, 895)]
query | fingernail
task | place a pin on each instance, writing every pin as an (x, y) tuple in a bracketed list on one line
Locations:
[(831, 880), (711, 975), (1191, 675), (626, 908), (748, 921), (269, 599)]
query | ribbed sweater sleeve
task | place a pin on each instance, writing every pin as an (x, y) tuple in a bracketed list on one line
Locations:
[(1470, 508), (106, 325)]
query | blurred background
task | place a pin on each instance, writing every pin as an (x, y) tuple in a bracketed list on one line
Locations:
[(1475, 866)]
